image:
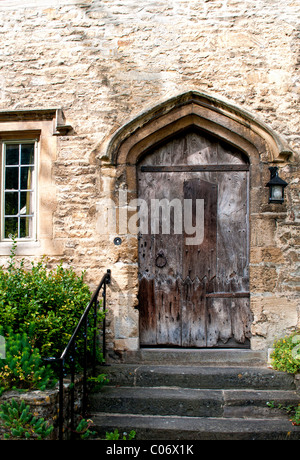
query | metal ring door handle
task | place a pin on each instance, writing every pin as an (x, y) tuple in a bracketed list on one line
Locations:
[(161, 260)]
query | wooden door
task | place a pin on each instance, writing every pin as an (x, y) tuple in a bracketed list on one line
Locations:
[(193, 258)]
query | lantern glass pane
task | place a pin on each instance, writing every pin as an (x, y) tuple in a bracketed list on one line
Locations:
[(276, 192)]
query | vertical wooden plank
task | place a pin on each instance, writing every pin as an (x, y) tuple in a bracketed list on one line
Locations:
[(168, 256), (219, 326), (199, 260), (201, 149), (146, 191), (193, 313), (233, 235), (147, 308), (229, 322), (160, 257), (199, 263), (241, 319), (146, 294), (230, 319), (227, 154), (167, 295), (168, 246)]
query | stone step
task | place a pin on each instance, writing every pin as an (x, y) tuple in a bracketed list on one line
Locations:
[(198, 377), (168, 428), (192, 402), (204, 357)]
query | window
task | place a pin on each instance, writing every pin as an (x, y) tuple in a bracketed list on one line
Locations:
[(18, 210), (28, 190)]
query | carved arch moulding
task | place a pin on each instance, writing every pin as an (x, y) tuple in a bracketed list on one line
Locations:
[(206, 113)]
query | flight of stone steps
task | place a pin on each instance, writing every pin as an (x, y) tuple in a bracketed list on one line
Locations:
[(195, 395)]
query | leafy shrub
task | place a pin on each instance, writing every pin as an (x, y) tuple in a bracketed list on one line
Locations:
[(97, 383), (20, 422), (83, 429), (296, 418), (115, 435), (23, 367), (285, 356), (45, 304), (291, 410)]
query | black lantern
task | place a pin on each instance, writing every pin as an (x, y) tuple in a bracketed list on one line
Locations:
[(276, 186)]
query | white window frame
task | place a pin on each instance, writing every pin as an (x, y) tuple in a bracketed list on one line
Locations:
[(19, 141)]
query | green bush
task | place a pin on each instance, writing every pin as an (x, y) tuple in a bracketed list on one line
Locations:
[(83, 429), (23, 367), (20, 423), (296, 418), (45, 304), (115, 435), (286, 356)]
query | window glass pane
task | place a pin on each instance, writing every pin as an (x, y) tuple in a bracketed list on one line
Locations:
[(11, 178), (26, 177), (26, 199), (25, 227), (11, 227), (12, 154), (11, 203), (27, 154)]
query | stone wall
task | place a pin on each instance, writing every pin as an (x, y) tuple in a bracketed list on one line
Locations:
[(105, 62)]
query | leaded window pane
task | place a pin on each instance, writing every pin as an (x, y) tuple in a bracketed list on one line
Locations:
[(12, 154)]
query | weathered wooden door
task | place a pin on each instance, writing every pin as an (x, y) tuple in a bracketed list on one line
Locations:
[(193, 245)]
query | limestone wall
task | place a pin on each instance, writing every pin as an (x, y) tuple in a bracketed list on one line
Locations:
[(104, 62)]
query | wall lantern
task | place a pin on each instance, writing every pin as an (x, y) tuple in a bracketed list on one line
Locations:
[(276, 186)]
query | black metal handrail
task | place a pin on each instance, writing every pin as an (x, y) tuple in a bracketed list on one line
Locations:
[(70, 351)]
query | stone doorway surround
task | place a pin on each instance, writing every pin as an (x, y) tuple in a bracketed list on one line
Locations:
[(273, 312)]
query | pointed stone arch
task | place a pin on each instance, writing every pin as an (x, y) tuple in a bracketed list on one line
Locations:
[(194, 109)]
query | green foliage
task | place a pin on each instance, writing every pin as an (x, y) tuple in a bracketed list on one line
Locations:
[(83, 429), (286, 356), (23, 367), (273, 405), (21, 423), (45, 304), (291, 410), (296, 418), (39, 311), (115, 435), (97, 383)]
